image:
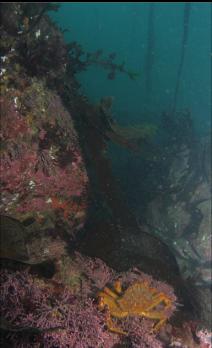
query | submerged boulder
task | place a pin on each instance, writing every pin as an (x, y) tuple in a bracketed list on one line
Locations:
[(182, 218), (43, 177)]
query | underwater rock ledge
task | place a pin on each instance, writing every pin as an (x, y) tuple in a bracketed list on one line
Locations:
[(49, 296)]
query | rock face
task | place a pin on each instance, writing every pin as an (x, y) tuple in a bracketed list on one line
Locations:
[(183, 219), (43, 177), (42, 171)]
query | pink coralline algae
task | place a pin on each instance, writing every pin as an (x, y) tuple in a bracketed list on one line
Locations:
[(76, 321), (189, 335), (29, 302), (140, 333), (42, 170), (13, 125), (97, 272), (205, 338)]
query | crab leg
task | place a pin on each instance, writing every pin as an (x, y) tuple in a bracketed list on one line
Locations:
[(157, 300), (156, 315), (109, 293), (118, 287), (111, 326)]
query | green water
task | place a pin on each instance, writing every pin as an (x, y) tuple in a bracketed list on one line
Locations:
[(123, 28)]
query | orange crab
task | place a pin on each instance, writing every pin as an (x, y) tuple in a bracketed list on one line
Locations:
[(139, 299)]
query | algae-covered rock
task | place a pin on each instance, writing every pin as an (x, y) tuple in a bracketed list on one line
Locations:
[(23, 243), (13, 240), (43, 175)]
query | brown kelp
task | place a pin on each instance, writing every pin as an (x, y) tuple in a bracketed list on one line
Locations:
[(81, 60), (150, 49), (187, 11)]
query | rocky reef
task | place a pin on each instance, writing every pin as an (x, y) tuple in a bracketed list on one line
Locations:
[(182, 217), (58, 195), (57, 316), (43, 175)]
